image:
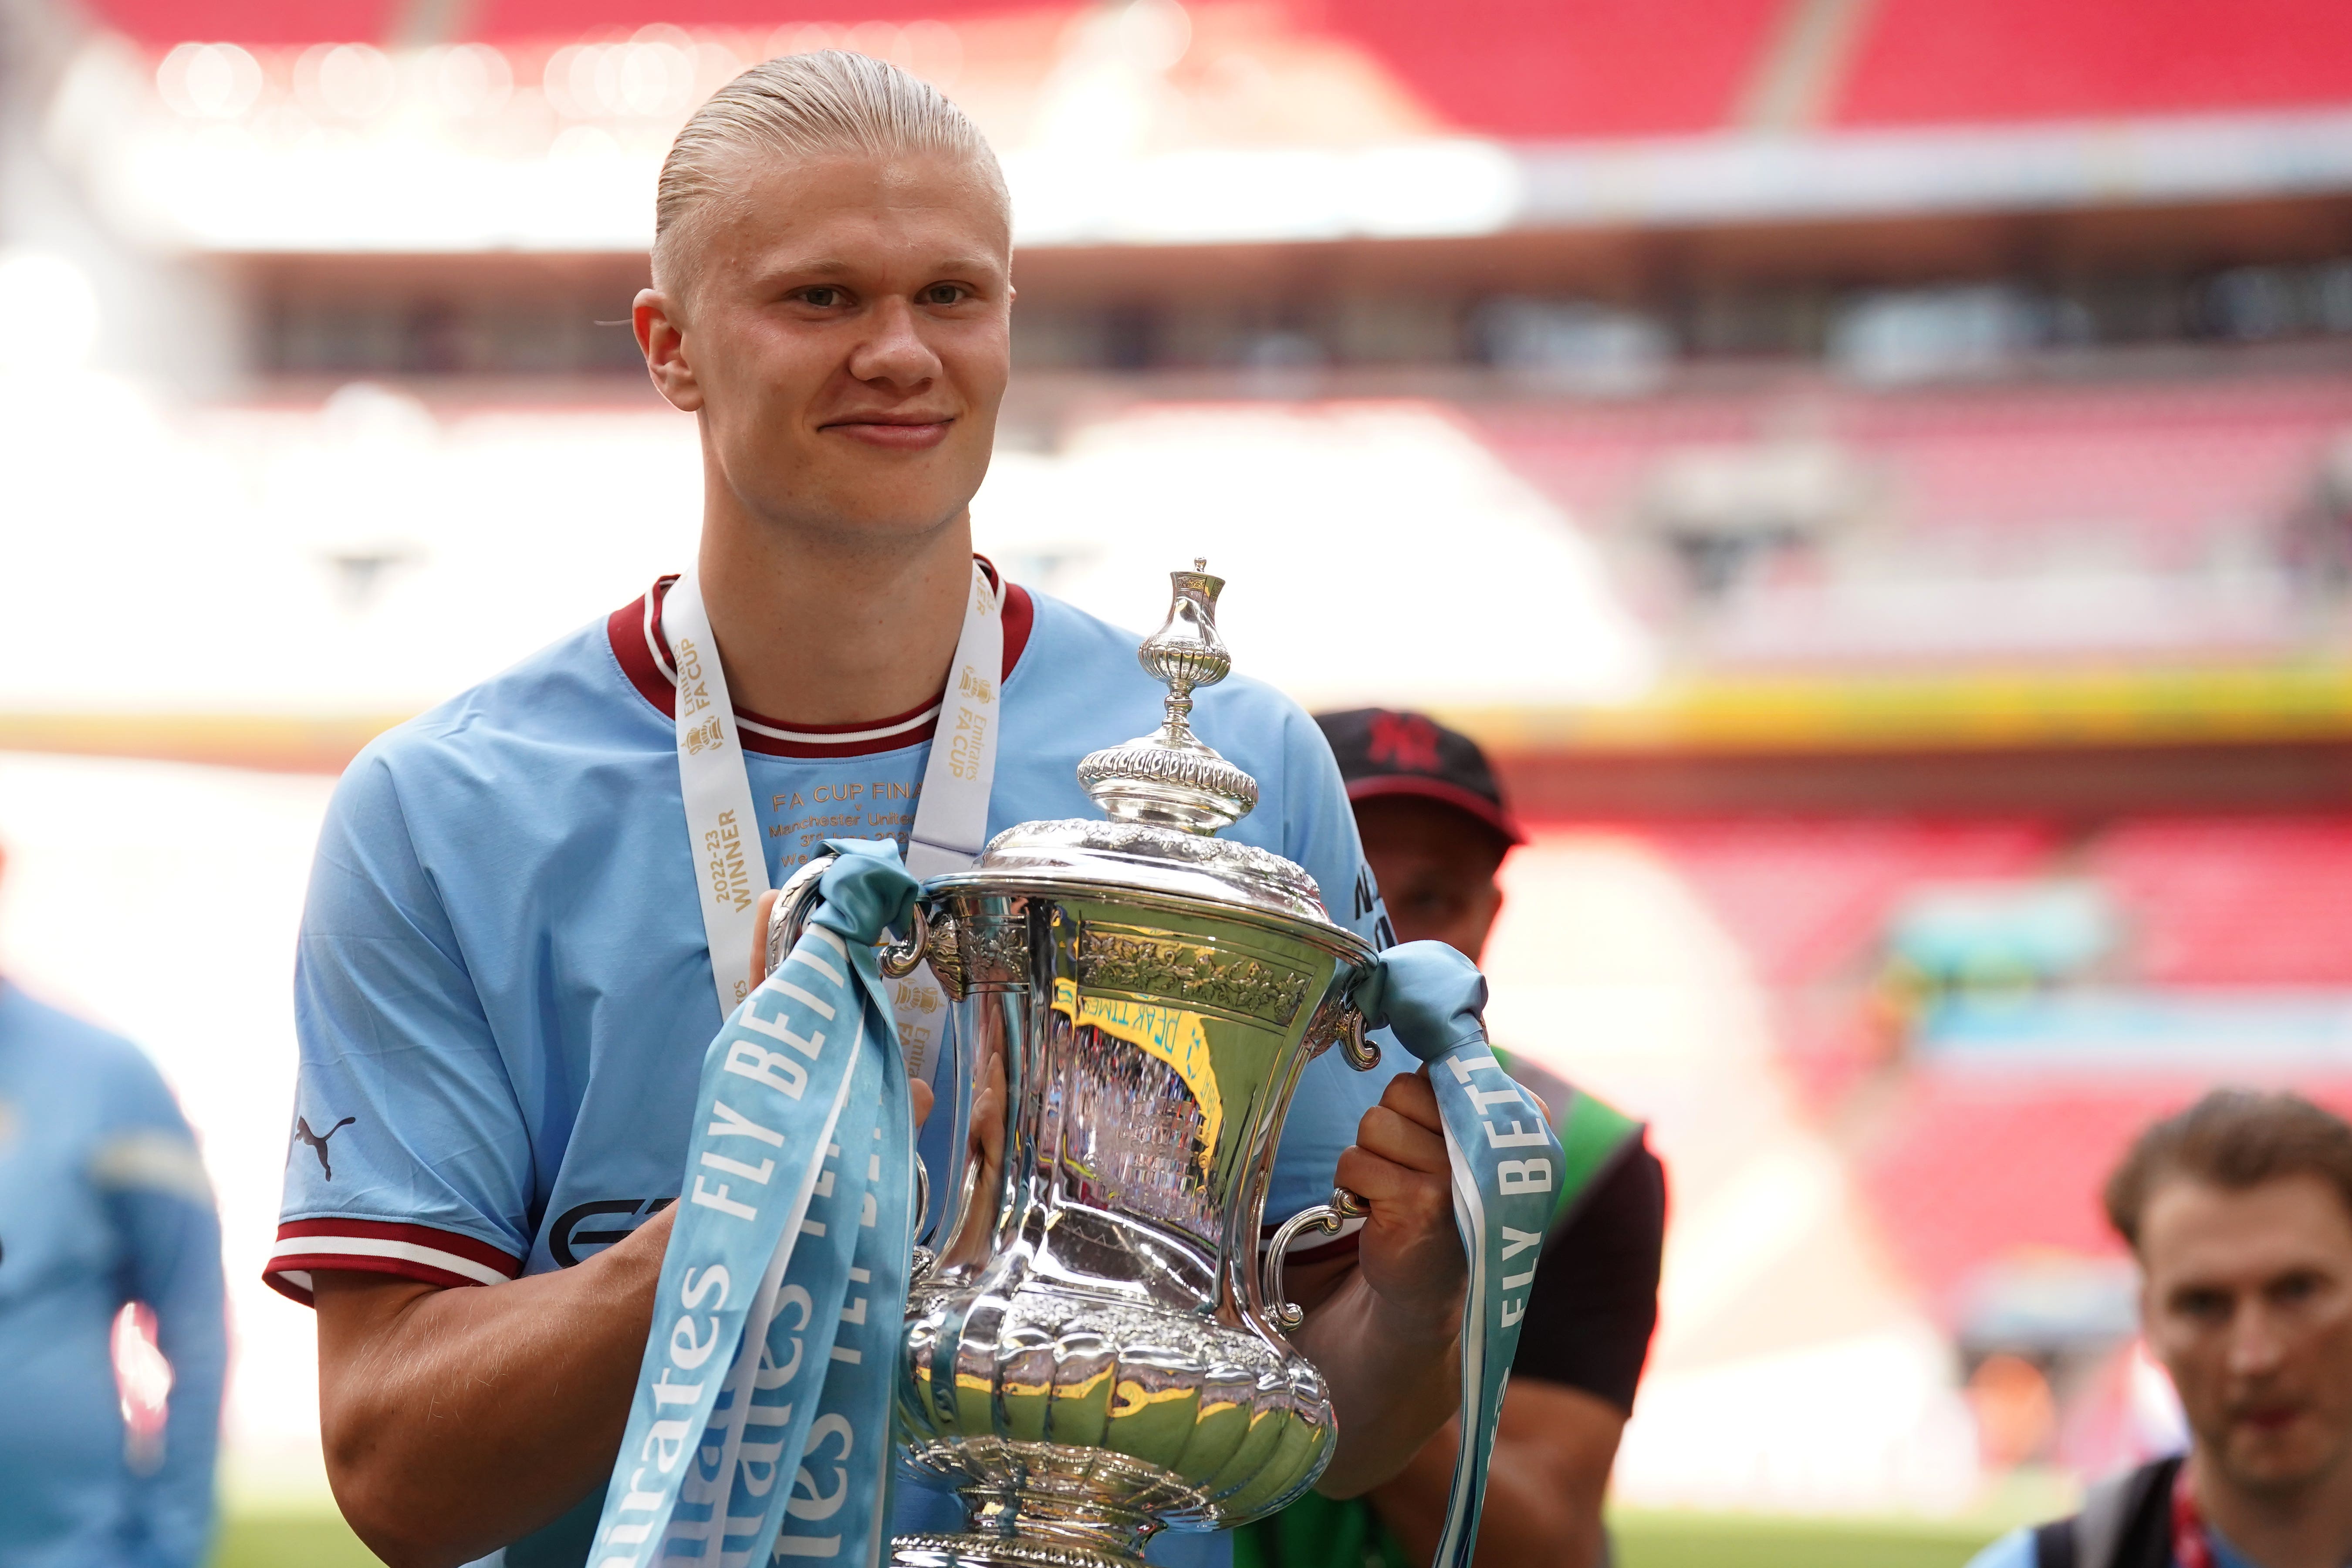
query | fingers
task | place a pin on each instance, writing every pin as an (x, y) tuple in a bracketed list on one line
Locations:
[(1398, 1194), (922, 1094), (1411, 1096), (1405, 1128)]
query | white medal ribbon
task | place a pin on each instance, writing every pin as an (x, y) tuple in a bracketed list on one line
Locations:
[(723, 826)]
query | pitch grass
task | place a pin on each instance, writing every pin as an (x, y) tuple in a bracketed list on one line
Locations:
[(1731, 1541), (319, 1539)]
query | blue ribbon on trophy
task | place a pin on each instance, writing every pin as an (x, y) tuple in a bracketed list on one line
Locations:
[(1506, 1170), (760, 1425)]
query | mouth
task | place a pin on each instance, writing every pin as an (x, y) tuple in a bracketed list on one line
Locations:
[(909, 432), (2270, 1419)]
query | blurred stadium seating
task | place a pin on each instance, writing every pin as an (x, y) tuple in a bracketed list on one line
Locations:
[(1862, 464)]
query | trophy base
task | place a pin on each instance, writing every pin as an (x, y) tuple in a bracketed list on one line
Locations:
[(1004, 1552)]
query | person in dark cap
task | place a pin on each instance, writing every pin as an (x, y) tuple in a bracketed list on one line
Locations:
[(1436, 831)]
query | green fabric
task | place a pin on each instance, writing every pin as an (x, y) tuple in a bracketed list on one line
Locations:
[(1318, 1532), (1589, 1139)]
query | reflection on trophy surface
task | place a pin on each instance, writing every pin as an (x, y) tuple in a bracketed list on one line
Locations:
[(1093, 1354)]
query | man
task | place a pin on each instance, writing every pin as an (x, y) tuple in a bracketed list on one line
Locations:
[(505, 987), (2239, 1211), (103, 1201), (1435, 832)]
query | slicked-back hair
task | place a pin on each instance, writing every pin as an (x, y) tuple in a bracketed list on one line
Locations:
[(2234, 1139), (828, 103)]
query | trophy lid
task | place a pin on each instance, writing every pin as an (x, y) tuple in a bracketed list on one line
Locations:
[(1163, 796)]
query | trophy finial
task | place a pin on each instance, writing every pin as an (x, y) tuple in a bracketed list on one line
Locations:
[(1170, 777)]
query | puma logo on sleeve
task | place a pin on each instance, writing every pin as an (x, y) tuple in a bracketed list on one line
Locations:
[(317, 1141)]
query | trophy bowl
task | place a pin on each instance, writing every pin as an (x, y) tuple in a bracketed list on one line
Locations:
[(1096, 1351)]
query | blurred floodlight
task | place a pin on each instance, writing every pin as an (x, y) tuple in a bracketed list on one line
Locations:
[(349, 81), (467, 80), (208, 81), (53, 292)]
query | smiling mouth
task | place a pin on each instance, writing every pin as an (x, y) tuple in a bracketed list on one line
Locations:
[(898, 431)]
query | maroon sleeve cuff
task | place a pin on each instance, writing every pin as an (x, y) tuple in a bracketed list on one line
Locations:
[(375, 1246)]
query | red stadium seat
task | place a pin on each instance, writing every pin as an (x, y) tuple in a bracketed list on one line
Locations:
[(1972, 1168), (2235, 901), (1927, 61), (1807, 898)]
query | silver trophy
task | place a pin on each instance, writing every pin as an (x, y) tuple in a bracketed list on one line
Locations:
[(1097, 1349)]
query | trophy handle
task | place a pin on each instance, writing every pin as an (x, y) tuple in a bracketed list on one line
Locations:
[(899, 959), (797, 900), (1326, 1217)]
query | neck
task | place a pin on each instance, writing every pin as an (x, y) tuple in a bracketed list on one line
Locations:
[(823, 630), (2309, 1526)]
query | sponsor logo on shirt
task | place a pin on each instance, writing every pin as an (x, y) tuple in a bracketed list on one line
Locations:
[(318, 1142), (589, 1224)]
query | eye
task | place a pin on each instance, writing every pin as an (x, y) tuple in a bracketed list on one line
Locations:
[(2295, 1288), (944, 294), (2203, 1306), (824, 295)]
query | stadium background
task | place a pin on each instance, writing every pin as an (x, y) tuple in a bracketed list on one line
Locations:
[(1877, 472)]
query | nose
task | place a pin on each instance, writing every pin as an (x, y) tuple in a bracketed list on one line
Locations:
[(2257, 1345), (894, 352)]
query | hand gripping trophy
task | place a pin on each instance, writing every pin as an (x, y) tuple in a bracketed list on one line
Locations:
[(1095, 1350)]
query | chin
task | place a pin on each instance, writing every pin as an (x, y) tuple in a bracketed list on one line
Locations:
[(869, 512), (2283, 1463)]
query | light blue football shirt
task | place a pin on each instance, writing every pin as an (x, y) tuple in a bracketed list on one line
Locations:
[(103, 1200), (503, 992)]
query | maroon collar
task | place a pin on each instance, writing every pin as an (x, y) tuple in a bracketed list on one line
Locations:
[(635, 633)]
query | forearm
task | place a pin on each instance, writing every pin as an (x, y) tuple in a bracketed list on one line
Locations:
[(1394, 1380), (1529, 1518), (458, 1420), (1544, 1482)]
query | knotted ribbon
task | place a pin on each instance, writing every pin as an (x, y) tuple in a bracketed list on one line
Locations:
[(760, 1425), (1506, 1162)]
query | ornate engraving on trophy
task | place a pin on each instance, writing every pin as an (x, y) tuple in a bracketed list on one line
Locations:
[(1112, 959), (996, 951)]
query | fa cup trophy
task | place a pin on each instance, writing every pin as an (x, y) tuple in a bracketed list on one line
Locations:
[(1097, 1349)]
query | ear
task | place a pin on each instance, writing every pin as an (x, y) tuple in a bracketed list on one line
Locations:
[(661, 335)]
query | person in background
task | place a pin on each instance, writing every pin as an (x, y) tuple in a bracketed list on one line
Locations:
[(103, 1203), (2239, 1211), (1435, 832)]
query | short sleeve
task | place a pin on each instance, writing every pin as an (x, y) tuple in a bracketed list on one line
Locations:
[(409, 1154), (1318, 832)]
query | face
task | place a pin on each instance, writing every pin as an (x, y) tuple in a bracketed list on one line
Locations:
[(2247, 1300), (845, 339), (1436, 866)]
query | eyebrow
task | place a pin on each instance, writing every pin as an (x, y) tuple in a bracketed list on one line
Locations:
[(834, 266)]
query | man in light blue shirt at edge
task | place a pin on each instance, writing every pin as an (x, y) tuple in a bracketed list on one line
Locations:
[(103, 1201), (504, 989), (2238, 1212)]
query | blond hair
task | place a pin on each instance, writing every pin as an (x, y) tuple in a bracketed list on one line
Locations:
[(826, 103)]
